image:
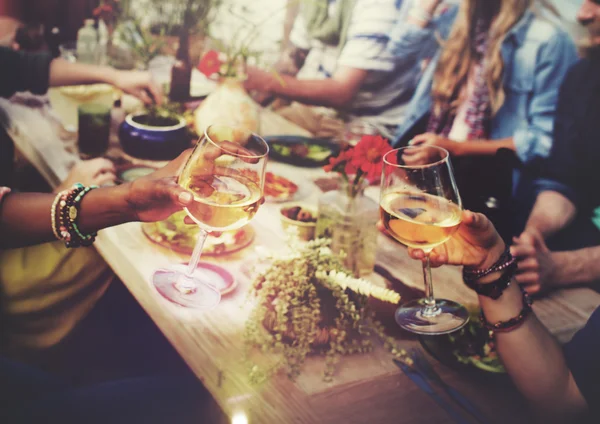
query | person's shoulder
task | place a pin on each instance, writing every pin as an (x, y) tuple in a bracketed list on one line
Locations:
[(543, 31)]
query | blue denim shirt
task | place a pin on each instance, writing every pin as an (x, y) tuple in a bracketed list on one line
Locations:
[(537, 56)]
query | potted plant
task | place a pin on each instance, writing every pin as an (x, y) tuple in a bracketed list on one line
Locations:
[(306, 302), (158, 133)]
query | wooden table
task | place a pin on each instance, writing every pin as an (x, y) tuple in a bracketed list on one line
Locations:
[(367, 388)]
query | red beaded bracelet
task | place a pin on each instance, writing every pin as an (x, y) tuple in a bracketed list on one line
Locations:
[(513, 323)]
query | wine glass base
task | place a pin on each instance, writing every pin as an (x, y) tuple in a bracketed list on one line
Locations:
[(199, 294), (449, 316)]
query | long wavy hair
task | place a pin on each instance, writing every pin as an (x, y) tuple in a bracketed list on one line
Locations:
[(459, 53)]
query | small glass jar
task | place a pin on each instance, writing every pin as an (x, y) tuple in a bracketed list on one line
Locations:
[(349, 219)]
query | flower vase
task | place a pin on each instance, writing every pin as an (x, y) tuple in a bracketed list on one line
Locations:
[(349, 219), (229, 104)]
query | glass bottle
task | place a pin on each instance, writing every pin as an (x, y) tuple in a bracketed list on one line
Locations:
[(181, 73), (87, 42), (349, 219)]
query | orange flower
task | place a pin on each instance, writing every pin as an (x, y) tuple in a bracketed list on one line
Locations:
[(368, 156), (210, 63)]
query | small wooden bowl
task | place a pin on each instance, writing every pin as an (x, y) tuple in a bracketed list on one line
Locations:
[(304, 230)]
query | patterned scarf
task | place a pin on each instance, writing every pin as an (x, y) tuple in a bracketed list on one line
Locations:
[(478, 116)]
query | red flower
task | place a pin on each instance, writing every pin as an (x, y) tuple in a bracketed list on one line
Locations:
[(210, 63), (368, 156), (338, 163)]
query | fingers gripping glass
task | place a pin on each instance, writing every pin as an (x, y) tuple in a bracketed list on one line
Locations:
[(225, 173), (420, 207)]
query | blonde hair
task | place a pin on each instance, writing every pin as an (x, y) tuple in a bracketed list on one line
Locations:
[(459, 55)]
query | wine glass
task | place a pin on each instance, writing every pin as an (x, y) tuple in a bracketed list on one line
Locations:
[(225, 173), (420, 207)]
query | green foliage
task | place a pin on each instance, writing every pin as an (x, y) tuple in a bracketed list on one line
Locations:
[(195, 15), (144, 45), (298, 311)]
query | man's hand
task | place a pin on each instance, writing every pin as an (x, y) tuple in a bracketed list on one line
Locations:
[(138, 84), (258, 80), (476, 244), (99, 171), (537, 268)]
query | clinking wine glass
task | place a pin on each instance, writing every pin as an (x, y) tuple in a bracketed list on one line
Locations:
[(225, 173), (420, 207)]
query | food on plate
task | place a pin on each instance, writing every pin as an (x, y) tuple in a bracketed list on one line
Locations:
[(297, 213), (278, 187), (182, 237), (474, 345), (314, 152)]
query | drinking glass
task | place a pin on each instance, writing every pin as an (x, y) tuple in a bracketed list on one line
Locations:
[(420, 207), (225, 173), (93, 129)]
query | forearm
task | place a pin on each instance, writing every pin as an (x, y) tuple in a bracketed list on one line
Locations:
[(552, 212), (422, 12), (26, 217), (326, 92), (483, 147), (67, 73), (533, 359), (576, 267)]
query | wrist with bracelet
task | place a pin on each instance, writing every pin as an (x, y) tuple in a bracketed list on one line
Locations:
[(494, 289), (65, 217), (506, 263), (513, 323)]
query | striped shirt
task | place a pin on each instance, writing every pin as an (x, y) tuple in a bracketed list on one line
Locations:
[(390, 83)]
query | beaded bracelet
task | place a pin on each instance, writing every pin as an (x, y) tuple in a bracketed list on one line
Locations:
[(67, 217), (55, 225), (495, 288), (513, 323), (85, 239), (506, 260)]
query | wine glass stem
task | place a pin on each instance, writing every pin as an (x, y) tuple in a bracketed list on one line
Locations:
[(185, 283), (430, 308)]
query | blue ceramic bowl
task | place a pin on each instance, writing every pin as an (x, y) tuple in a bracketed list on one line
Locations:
[(153, 142)]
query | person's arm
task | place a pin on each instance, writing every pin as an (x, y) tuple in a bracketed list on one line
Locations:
[(533, 139), (465, 148), (531, 356), (337, 91), (136, 83), (25, 217), (540, 269), (417, 31), (551, 213)]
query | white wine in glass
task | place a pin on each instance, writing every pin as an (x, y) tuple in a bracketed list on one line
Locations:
[(421, 208), (423, 221), (225, 174)]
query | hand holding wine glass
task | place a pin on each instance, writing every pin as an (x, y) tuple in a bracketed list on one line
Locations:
[(225, 174), (421, 208), (475, 244)]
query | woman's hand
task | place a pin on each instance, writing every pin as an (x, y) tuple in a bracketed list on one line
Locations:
[(476, 244), (419, 156), (99, 171), (157, 196)]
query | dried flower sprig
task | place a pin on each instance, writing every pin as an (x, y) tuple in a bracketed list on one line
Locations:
[(359, 285), (306, 303)]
